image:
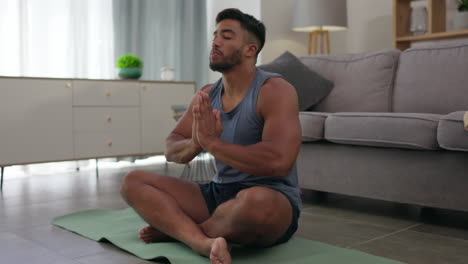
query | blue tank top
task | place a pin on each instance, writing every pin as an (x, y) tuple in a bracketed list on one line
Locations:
[(243, 126)]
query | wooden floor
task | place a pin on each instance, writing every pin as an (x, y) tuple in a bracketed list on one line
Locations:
[(29, 203)]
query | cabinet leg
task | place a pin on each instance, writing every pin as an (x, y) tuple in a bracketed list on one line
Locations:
[(97, 169), (1, 180)]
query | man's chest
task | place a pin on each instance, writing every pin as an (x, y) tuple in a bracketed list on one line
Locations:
[(228, 104)]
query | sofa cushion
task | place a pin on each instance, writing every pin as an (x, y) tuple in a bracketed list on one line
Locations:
[(362, 82), (451, 134), (310, 86), (312, 124), (433, 79), (400, 130)]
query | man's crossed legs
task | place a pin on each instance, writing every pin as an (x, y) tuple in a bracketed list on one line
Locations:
[(175, 208)]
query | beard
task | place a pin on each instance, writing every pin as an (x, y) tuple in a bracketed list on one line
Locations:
[(226, 65)]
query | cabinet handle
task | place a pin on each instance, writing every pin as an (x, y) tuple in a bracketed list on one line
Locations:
[(109, 118), (68, 85), (108, 94), (109, 143)]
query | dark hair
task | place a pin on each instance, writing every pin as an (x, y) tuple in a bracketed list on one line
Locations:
[(247, 22)]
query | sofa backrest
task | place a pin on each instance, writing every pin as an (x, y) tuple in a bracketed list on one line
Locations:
[(362, 82), (433, 79)]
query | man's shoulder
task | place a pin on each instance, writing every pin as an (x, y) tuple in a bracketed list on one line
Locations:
[(277, 85), (276, 93)]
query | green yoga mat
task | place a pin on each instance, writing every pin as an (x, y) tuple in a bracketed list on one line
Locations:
[(120, 228)]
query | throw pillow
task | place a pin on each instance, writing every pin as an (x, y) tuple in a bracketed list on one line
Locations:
[(310, 86)]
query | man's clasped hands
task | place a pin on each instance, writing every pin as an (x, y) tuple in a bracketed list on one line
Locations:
[(207, 124)]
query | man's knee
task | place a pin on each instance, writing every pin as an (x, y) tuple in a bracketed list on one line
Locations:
[(269, 212), (256, 207), (131, 182)]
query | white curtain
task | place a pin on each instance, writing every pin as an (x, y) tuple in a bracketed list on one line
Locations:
[(57, 38)]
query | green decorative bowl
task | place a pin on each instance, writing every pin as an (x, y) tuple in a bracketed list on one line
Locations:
[(130, 73)]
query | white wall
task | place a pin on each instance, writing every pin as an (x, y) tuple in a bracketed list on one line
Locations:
[(277, 17), (370, 25), (369, 28), (251, 7)]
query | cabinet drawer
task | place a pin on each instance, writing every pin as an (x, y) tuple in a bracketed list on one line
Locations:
[(106, 145), (105, 93), (106, 131), (92, 119)]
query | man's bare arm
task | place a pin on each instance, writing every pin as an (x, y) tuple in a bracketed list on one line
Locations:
[(180, 149), (277, 152), (181, 146)]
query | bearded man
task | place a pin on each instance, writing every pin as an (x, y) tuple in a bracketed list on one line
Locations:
[(249, 121)]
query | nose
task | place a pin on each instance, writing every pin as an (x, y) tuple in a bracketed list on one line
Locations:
[(216, 42)]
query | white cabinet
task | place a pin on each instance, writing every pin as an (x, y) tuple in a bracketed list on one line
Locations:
[(156, 113), (106, 118), (35, 120), (43, 120)]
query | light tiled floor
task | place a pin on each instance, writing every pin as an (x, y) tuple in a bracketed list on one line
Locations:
[(28, 204)]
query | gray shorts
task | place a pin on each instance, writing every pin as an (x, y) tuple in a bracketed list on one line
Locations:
[(216, 194)]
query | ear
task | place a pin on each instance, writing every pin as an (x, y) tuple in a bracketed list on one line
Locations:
[(251, 50)]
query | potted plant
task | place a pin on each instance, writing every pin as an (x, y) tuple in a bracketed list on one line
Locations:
[(130, 67), (461, 17)]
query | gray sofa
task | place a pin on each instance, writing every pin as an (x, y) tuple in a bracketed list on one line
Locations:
[(392, 126)]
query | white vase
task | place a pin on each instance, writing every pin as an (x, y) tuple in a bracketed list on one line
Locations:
[(418, 20), (460, 21), (167, 74)]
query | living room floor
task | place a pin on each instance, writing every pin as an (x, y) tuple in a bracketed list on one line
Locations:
[(396, 231)]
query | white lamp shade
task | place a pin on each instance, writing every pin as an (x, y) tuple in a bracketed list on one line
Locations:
[(310, 15)]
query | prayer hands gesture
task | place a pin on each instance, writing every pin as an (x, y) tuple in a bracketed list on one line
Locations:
[(207, 125)]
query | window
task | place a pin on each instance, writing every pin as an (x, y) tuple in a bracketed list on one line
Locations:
[(57, 38)]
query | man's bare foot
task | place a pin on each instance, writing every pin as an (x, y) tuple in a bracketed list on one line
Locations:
[(149, 234), (220, 252)]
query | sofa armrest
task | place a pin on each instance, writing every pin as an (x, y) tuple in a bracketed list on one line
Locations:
[(452, 131)]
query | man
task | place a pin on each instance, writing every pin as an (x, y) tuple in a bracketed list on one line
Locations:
[(248, 121)]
